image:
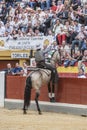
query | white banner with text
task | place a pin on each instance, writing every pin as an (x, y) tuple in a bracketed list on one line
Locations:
[(24, 43)]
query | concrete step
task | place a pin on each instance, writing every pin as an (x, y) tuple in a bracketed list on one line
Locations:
[(49, 107)]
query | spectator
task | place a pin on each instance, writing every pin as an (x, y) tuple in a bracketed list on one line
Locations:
[(47, 22), (79, 39), (2, 29), (84, 56), (49, 32), (16, 23), (53, 7), (10, 20), (20, 33), (54, 45), (58, 31), (4, 12), (63, 14), (18, 70), (14, 34), (78, 56), (59, 6), (65, 47), (72, 35), (77, 26), (81, 63), (66, 4), (37, 32), (11, 11), (8, 28), (30, 32), (43, 4), (9, 69), (75, 4), (33, 4), (67, 59), (72, 14), (53, 20), (81, 73), (24, 23), (84, 46), (25, 69), (32, 63), (84, 13)]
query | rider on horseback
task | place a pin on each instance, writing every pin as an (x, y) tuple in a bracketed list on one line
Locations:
[(40, 62)]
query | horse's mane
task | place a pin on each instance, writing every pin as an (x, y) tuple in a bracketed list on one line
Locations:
[(55, 58)]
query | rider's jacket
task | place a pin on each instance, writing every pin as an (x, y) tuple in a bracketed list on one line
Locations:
[(48, 56)]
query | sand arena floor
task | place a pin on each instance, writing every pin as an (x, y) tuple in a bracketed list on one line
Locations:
[(15, 120)]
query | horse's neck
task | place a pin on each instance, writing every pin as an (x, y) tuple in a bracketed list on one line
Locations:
[(52, 62), (54, 59)]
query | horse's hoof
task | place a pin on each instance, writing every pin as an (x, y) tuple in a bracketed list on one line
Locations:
[(50, 99), (40, 113), (24, 112), (53, 100), (84, 115)]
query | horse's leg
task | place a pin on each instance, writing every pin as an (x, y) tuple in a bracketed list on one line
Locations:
[(36, 100), (49, 92), (27, 94), (54, 83), (53, 91)]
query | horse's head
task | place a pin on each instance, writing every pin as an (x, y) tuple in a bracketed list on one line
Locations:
[(56, 58)]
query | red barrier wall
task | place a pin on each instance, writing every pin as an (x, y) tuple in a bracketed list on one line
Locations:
[(72, 90), (69, 90), (15, 88)]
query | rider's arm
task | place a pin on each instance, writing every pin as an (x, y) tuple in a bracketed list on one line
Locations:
[(46, 50)]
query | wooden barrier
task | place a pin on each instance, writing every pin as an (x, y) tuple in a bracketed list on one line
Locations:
[(72, 90), (69, 90)]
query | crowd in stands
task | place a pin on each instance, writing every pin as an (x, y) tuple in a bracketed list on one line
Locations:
[(66, 20), (17, 70)]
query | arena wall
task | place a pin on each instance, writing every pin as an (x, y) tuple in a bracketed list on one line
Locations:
[(69, 90), (71, 95)]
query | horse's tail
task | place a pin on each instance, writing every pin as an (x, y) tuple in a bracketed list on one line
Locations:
[(27, 93)]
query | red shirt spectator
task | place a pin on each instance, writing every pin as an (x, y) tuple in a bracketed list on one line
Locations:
[(54, 7)]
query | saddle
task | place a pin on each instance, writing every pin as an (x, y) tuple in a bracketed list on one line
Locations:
[(33, 69)]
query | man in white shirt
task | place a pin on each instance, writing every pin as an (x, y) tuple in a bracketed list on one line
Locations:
[(81, 73), (2, 30)]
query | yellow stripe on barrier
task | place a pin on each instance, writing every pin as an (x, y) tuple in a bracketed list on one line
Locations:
[(74, 69)]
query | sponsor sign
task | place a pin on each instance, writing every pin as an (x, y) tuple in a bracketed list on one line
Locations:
[(24, 43), (19, 55)]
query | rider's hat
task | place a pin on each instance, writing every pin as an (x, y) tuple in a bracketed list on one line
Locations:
[(38, 47)]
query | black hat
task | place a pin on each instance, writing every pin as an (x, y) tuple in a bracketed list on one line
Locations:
[(38, 47)]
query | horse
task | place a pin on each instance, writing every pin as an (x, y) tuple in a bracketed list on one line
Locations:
[(35, 79)]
